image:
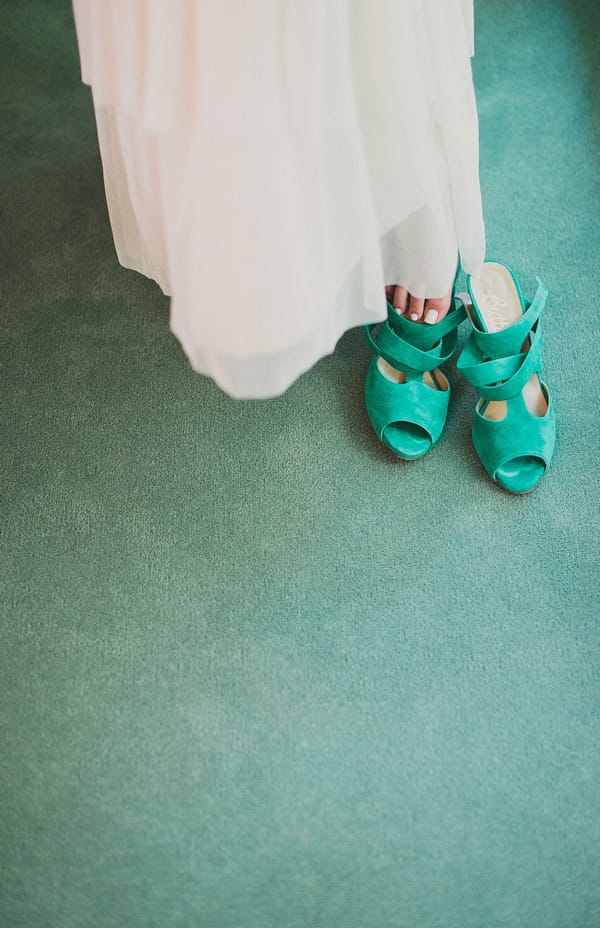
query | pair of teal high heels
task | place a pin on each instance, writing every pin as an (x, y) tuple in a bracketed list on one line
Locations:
[(407, 395)]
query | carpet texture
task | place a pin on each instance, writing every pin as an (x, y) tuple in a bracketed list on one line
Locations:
[(254, 671)]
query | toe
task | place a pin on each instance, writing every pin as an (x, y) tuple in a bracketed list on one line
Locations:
[(436, 309), (415, 309), (400, 299)]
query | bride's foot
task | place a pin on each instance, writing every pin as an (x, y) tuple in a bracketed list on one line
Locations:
[(418, 309)]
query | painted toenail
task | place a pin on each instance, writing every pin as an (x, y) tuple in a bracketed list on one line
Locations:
[(414, 317), (431, 316)]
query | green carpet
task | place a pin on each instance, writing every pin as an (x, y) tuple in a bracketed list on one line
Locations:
[(254, 671)]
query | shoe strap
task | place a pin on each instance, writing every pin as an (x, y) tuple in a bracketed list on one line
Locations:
[(401, 354), (508, 341), (413, 346), (501, 378)]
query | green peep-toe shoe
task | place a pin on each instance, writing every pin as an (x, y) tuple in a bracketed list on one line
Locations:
[(406, 394), (514, 426)]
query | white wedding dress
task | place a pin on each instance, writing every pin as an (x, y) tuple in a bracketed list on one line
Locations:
[(273, 164)]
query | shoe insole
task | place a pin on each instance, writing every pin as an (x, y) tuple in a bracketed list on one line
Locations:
[(499, 305)]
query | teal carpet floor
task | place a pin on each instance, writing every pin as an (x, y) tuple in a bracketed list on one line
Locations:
[(254, 671)]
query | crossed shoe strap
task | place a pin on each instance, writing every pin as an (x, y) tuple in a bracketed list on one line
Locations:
[(495, 362), (508, 341), (413, 346)]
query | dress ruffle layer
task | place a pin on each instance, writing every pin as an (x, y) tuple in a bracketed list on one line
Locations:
[(274, 164)]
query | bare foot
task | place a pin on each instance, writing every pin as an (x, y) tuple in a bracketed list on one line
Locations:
[(418, 309)]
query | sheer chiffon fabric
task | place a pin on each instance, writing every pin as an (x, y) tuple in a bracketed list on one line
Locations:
[(273, 164)]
